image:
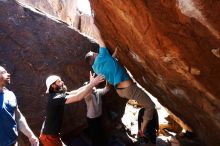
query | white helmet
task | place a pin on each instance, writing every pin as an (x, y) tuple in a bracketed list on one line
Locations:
[(50, 80)]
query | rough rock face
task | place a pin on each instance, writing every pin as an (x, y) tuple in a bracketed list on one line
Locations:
[(172, 48), (32, 47), (66, 11)]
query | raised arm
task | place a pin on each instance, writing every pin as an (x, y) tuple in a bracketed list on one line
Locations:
[(77, 90), (104, 50), (98, 38), (104, 90), (101, 43), (84, 91), (24, 128)]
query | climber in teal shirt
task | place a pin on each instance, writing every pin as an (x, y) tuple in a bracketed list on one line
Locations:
[(109, 67), (104, 64)]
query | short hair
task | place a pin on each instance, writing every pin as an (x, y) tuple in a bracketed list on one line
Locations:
[(88, 57)]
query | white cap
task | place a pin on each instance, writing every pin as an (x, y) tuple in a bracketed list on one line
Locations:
[(50, 80)]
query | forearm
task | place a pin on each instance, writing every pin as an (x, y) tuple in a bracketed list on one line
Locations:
[(99, 39), (104, 90), (79, 94), (77, 90), (85, 91), (23, 126), (107, 85), (101, 43)]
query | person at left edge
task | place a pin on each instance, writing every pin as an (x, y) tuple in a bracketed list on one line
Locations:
[(11, 119)]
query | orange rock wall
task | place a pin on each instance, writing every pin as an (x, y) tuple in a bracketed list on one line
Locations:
[(171, 47)]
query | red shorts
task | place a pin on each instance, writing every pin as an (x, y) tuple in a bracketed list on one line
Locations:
[(50, 140)]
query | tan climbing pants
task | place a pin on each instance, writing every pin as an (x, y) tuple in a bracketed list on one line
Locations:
[(135, 93)]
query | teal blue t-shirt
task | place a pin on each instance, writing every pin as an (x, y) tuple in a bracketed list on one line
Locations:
[(109, 67), (8, 126)]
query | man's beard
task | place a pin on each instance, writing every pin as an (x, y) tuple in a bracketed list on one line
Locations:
[(61, 89)]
